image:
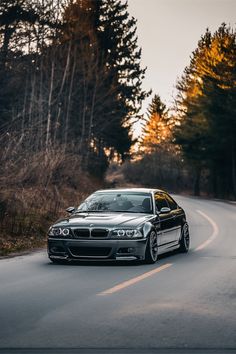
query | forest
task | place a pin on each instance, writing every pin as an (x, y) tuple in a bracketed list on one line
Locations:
[(71, 90)]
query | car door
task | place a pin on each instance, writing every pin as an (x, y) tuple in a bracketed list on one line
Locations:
[(168, 232), (177, 214)]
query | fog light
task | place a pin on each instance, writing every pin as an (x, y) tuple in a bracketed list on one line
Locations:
[(57, 249)]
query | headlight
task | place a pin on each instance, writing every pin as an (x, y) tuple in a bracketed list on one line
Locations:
[(65, 232), (58, 231), (131, 233)]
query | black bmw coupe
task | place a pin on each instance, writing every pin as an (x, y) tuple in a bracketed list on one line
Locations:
[(134, 223)]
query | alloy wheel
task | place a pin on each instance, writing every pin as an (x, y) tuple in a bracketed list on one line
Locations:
[(185, 235), (153, 245)]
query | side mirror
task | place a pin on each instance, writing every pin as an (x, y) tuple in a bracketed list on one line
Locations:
[(164, 210), (70, 210)]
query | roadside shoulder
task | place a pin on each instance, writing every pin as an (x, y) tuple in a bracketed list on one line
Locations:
[(22, 253)]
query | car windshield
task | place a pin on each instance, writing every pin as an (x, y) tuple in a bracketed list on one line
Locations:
[(118, 202)]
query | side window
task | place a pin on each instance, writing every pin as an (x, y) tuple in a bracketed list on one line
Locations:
[(172, 204), (160, 201)]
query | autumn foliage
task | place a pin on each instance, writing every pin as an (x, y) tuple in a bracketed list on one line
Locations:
[(206, 107)]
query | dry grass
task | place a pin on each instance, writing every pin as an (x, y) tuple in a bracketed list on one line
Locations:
[(34, 192), (27, 213)]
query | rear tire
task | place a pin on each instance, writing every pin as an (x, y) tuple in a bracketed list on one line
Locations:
[(151, 253), (185, 239)]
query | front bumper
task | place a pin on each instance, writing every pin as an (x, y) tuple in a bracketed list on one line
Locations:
[(96, 249)]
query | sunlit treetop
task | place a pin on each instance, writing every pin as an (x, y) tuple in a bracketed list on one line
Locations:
[(157, 129)]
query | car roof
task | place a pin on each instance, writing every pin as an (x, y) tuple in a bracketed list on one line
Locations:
[(142, 190)]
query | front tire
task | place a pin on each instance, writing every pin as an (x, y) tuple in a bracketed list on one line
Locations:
[(151, 253), (185, 239)]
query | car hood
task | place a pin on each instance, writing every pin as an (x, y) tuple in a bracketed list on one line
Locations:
[(111, 220)]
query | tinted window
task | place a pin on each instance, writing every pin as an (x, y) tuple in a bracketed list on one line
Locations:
[(160, 201), (171, 202), (118, 201)]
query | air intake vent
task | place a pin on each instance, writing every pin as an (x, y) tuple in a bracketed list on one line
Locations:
[(90, 251), (99, 233), (81, 233)]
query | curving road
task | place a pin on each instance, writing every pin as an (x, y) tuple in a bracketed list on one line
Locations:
[(182, 304)]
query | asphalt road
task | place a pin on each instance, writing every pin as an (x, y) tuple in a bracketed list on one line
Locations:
[(182, 304)]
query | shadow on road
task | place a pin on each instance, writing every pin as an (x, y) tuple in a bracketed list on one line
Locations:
[(111, 262)]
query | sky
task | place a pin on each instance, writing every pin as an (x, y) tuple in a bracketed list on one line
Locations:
[(168, 31)]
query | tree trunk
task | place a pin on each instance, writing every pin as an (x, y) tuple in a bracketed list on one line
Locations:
[(91, 124), (49, 105), (196, 187), (69, 102), (6, 40), (215, 184), (233, 171)]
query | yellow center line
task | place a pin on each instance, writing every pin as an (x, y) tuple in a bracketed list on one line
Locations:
[(135, 280)]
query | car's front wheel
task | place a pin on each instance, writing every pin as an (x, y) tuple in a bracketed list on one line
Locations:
[(185, 239), (151, 253)]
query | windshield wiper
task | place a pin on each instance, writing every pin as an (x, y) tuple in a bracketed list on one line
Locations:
[(128, 211), (91, 211)]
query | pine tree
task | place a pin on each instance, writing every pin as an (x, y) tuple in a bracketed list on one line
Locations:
[(207, 96), (118, 40), (108, 76), (157, 128)]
